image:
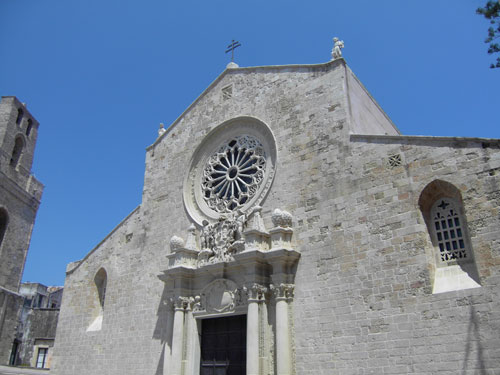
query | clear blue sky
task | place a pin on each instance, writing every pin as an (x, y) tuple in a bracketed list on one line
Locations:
[(101, 75)]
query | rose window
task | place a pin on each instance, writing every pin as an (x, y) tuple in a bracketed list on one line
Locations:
[(233, 174)]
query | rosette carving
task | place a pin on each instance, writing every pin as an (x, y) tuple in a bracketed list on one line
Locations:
[(233, 175)]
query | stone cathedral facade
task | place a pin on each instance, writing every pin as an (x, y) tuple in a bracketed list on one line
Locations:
[(287, 227)]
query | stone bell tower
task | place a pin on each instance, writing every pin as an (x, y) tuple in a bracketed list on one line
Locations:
[(20, 194)]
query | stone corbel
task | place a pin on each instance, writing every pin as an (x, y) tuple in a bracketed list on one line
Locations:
[(183, 254)]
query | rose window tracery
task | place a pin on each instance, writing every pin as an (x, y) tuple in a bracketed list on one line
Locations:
[(233, 175)]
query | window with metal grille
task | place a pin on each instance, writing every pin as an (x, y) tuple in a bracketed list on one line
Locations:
[(448, 231)]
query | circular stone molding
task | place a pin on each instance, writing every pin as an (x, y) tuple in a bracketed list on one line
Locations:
[(231, 170)]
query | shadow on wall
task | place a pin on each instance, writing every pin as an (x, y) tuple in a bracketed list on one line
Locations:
[(163, 328), (473, 337)]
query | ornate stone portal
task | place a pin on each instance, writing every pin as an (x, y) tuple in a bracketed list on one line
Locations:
[(234, 266)]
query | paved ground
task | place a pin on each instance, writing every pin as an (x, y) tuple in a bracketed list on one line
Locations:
[(7, 370)]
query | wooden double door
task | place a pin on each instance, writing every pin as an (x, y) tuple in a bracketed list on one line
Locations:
[(223, 346)]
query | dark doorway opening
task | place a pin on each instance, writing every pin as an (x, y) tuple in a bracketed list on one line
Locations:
[(223, 346), (13, 353)]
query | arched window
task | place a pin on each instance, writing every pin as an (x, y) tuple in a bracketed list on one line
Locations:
[(28, 129), (4, 220), (20, 115), (453, 260), (101, 280), (17, 151), (448, 232)]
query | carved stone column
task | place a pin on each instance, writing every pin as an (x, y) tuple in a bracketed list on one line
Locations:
[(181, 304), (256, 295), (283, 294)]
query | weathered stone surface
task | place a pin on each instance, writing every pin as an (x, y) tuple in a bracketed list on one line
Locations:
[(363, 301), (20, 195)]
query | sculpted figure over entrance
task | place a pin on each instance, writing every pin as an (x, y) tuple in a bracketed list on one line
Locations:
[(220, 240)]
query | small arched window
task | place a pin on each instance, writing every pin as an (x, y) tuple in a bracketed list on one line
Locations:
[(28, 129), (4, 220), (20, 115), (101, 281), (99, 293), (17, 151), (448, 231), (453, 264)]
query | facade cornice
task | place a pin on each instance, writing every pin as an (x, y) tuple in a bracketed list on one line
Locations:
[(420, 139)]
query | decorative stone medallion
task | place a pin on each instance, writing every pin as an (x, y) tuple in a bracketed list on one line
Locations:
[(220, 296), (231, 171)]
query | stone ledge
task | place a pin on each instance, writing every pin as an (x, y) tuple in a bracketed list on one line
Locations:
[(415, 139)]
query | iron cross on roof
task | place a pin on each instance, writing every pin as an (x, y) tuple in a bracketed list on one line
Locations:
[(230, 48)]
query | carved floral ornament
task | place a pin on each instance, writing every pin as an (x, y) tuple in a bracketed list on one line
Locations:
[(231, 170), (233, 174)]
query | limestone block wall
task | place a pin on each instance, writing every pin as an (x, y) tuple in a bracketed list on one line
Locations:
[(39, 325), (10, 305), (364, 284), (21, 213), (124, 342)]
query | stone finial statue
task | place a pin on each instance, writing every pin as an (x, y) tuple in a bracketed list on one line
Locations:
[(161, 130), (337, 46), (281, 219), (176, 243)]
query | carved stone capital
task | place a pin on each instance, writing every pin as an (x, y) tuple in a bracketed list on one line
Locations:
[(283, 291), (183, 303), (257, 293)]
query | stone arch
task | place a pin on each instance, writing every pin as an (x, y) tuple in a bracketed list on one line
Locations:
[(98, 299), (20, 115), (442, 208), (17, 151), (29, 127), (435, 190), (101, 281)]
